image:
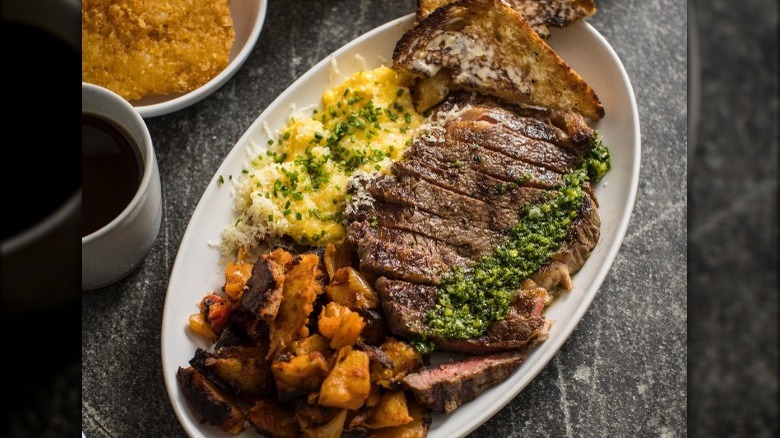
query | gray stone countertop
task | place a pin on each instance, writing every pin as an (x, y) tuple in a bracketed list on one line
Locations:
[(623, 370)]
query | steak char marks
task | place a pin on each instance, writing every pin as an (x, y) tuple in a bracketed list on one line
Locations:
[(452, 200)]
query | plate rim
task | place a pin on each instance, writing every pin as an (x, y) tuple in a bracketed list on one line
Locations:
[(551, 349), (207, 89)]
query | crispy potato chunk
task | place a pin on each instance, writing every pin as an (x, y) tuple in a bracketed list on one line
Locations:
[(216, 407), (310, 344), (282, 257), (347, 385), (417, 428), (391, 411), (299, 374), (272, 419), (236, 276), (331, 429), (349, 288), (145, 48), (341, 325), (336, 257), (199, 325), (301, 287), (405, 360), (240, 370)]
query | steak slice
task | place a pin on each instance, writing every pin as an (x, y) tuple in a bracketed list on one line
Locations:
[(421, 194), (500, 138), (446, 387), (471, 239), (443, 148), (470, 182), (406, 304), (562, 128), (580, 241), (402, 255)]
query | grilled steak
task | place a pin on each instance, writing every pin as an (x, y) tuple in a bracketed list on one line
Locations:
[(444, 388), (452, 201), (406, 304)]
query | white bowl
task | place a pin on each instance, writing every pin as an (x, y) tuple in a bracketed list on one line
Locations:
[(248, 17), (116, 249)]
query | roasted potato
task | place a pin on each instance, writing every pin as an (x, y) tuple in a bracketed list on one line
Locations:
[(417, 428), (236, 276), (273, 419), (347, 385), (405, 360), (336, 257), (390, 412), (301, 287), (321, 350), (349, 288), (238, 370), (341, 325), (299, 375), (216, 407), (312, 343)]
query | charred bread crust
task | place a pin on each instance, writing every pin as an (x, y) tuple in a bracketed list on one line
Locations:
[(496, 53), (538, 13)]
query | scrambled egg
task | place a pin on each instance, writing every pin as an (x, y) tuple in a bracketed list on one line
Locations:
[(297, 188)]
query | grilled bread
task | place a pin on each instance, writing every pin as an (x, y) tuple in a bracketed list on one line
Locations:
[(487, 47), (539, 14)]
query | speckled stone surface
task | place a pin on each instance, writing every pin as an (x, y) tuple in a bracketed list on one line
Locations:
[(622, 372), (733, 224)]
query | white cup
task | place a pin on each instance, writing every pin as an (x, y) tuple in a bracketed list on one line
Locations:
[(116, 249)]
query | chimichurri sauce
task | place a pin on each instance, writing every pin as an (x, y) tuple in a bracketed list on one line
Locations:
[(470, 299)]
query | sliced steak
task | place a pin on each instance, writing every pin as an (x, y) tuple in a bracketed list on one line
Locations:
[(421, 194), (454, 199), (561, 128), (405, 305), (580, 241), (443, 148), (470, 238), (405, 256), (502, 139), (470, 182), (444, 388), (523, 328)]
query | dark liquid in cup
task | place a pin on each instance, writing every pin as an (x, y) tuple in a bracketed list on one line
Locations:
[(110, 173), (40, 165)]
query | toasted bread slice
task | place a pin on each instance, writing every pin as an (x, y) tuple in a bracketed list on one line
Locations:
[(427, 92), (487, 47), (539, 14)]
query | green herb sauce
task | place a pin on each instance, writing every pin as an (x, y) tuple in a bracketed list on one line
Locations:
[(470, 299)]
